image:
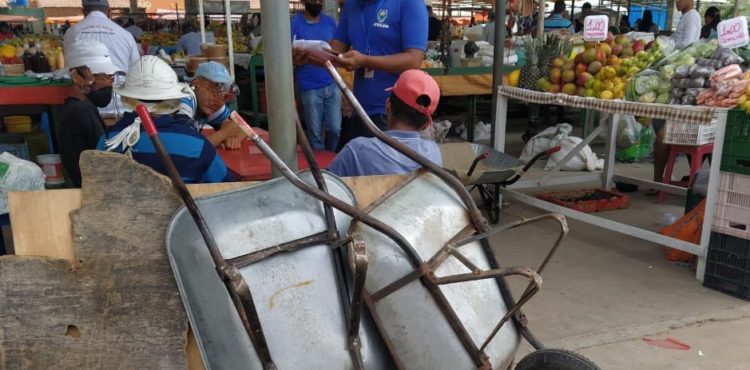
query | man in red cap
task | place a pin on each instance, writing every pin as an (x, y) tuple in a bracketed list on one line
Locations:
[(409, 109)]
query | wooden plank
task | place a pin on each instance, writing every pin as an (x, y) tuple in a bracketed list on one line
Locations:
[(117, 306)]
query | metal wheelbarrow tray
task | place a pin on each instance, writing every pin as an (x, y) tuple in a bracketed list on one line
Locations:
[(296, 291)]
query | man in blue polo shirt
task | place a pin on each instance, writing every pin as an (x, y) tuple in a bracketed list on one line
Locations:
[(412, 101), (320, 97), (153, 83), (379, 39), (556, 21)]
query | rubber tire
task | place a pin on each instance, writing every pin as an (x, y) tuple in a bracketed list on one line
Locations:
[(555, 359)]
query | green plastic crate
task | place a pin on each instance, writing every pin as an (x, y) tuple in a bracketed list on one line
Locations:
[(735, 157)]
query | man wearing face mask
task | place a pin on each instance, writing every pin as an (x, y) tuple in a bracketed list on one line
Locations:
[(320, 97), (91, 70)]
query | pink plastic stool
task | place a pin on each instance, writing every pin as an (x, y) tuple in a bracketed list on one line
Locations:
[(696, 155)]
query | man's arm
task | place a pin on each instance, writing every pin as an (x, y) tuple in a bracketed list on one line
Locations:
[(395, 63)]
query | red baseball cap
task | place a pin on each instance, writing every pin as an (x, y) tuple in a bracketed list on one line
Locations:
[(414, 83)]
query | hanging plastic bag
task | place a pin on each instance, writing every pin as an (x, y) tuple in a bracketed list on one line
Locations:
[(544, 140), (586, 159), (17, 174), (628, 131)]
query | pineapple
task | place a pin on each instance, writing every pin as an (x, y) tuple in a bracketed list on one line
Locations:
[(531, 72)]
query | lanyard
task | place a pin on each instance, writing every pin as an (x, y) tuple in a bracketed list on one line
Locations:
[(366, 27)]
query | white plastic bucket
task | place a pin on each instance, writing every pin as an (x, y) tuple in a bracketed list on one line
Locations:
[(52, 167)]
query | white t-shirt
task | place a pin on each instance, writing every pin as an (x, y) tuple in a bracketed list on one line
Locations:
[(120, 43), (688, 30), (136, 31), (96, 26)]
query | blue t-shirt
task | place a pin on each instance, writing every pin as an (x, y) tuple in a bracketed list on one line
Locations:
[(556, 22), (381, 27), (370, 156), (194, 156), (310, 77)]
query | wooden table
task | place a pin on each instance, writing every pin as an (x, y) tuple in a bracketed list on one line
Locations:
[(249, 164)]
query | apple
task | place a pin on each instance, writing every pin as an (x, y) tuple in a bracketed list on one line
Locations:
[(613, 60), (544, 84), (637, 46), (558, 63), (610, 38), (626, 52), (555, 88), (584, 78), (580, 91), (622, 40), (601, 57), (606, 48)]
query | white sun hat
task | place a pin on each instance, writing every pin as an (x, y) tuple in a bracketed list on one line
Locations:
[(92, 54)]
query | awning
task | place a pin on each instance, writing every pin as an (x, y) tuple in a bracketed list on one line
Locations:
[(72, 19), (16, 18)]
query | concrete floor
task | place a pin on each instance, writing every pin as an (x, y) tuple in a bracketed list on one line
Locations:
[(604, 291)]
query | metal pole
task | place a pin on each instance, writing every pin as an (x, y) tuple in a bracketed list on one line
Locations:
[(499, 62), (202, 20), (736, 11), (230, 47), (540, 19), (277, 41), (331, 9)]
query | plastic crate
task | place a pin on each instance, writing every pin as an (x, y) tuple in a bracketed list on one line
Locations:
[(728, 265), (735, 156), (15, 144), (732, 214), (603, 200), (689, 133)]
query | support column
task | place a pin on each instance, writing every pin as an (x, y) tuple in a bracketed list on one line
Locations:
[(331, 9), (277, 41), (499, 111)]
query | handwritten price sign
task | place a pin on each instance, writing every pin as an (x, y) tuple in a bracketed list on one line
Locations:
[(595, 27), (733, 32)]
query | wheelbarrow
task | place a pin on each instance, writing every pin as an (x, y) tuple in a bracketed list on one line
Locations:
[(485, 169)]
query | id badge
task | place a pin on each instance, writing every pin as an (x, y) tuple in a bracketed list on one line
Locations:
[(369, 73)]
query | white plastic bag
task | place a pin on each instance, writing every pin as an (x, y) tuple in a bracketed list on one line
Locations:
[(586, 159), (482, 131), (437, 131), (628, 131), (544, 140), (17, 174)]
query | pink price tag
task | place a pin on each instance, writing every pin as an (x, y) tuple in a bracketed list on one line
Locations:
[(595, 28), (733, 32)]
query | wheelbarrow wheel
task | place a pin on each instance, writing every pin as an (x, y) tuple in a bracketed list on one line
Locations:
[(555, 359)]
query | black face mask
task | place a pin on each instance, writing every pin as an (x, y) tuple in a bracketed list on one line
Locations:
[(314, 9), (100, 98)]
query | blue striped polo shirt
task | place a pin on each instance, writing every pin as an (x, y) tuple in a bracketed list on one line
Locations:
[(194, 156), (556, 22)]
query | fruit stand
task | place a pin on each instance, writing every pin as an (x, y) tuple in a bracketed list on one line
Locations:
[(688, 114)]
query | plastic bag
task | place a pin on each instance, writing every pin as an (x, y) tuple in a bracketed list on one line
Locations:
[(628, 131), (482, 131), (544, 140), (17, 174), (586, 159)]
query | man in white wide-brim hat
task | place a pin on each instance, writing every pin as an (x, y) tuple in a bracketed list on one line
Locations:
[(153, 83)]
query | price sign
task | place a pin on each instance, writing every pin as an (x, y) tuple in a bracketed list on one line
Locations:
[(595, 27), (733, 32)]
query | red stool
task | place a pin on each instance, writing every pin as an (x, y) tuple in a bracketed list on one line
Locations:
[(696, 155)]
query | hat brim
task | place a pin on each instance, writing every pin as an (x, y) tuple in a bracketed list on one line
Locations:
[(106, 68)]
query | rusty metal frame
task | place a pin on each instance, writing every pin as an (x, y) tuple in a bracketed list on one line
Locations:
[(423, 271), (228, 269)]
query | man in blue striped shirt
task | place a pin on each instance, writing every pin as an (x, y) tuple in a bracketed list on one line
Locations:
[(153, 83)]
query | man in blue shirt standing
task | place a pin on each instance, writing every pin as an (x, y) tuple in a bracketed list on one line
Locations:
[(556, 21), (413, 99), (379, 39), (320, 97)]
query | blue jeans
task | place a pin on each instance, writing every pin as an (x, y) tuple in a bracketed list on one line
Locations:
[(321, 105)]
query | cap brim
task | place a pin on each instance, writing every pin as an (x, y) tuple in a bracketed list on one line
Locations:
[(106, 68)]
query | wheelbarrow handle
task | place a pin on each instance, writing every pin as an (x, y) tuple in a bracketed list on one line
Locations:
[(476, 161), (533, 160)]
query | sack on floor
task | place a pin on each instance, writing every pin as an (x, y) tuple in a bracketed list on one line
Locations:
[(586, 159), (688, 228), (544, 140), (17, 174)]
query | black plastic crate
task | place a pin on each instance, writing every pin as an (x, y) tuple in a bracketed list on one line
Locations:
[(728, 265)]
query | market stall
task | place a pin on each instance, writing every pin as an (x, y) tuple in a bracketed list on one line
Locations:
[(692, 89)]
